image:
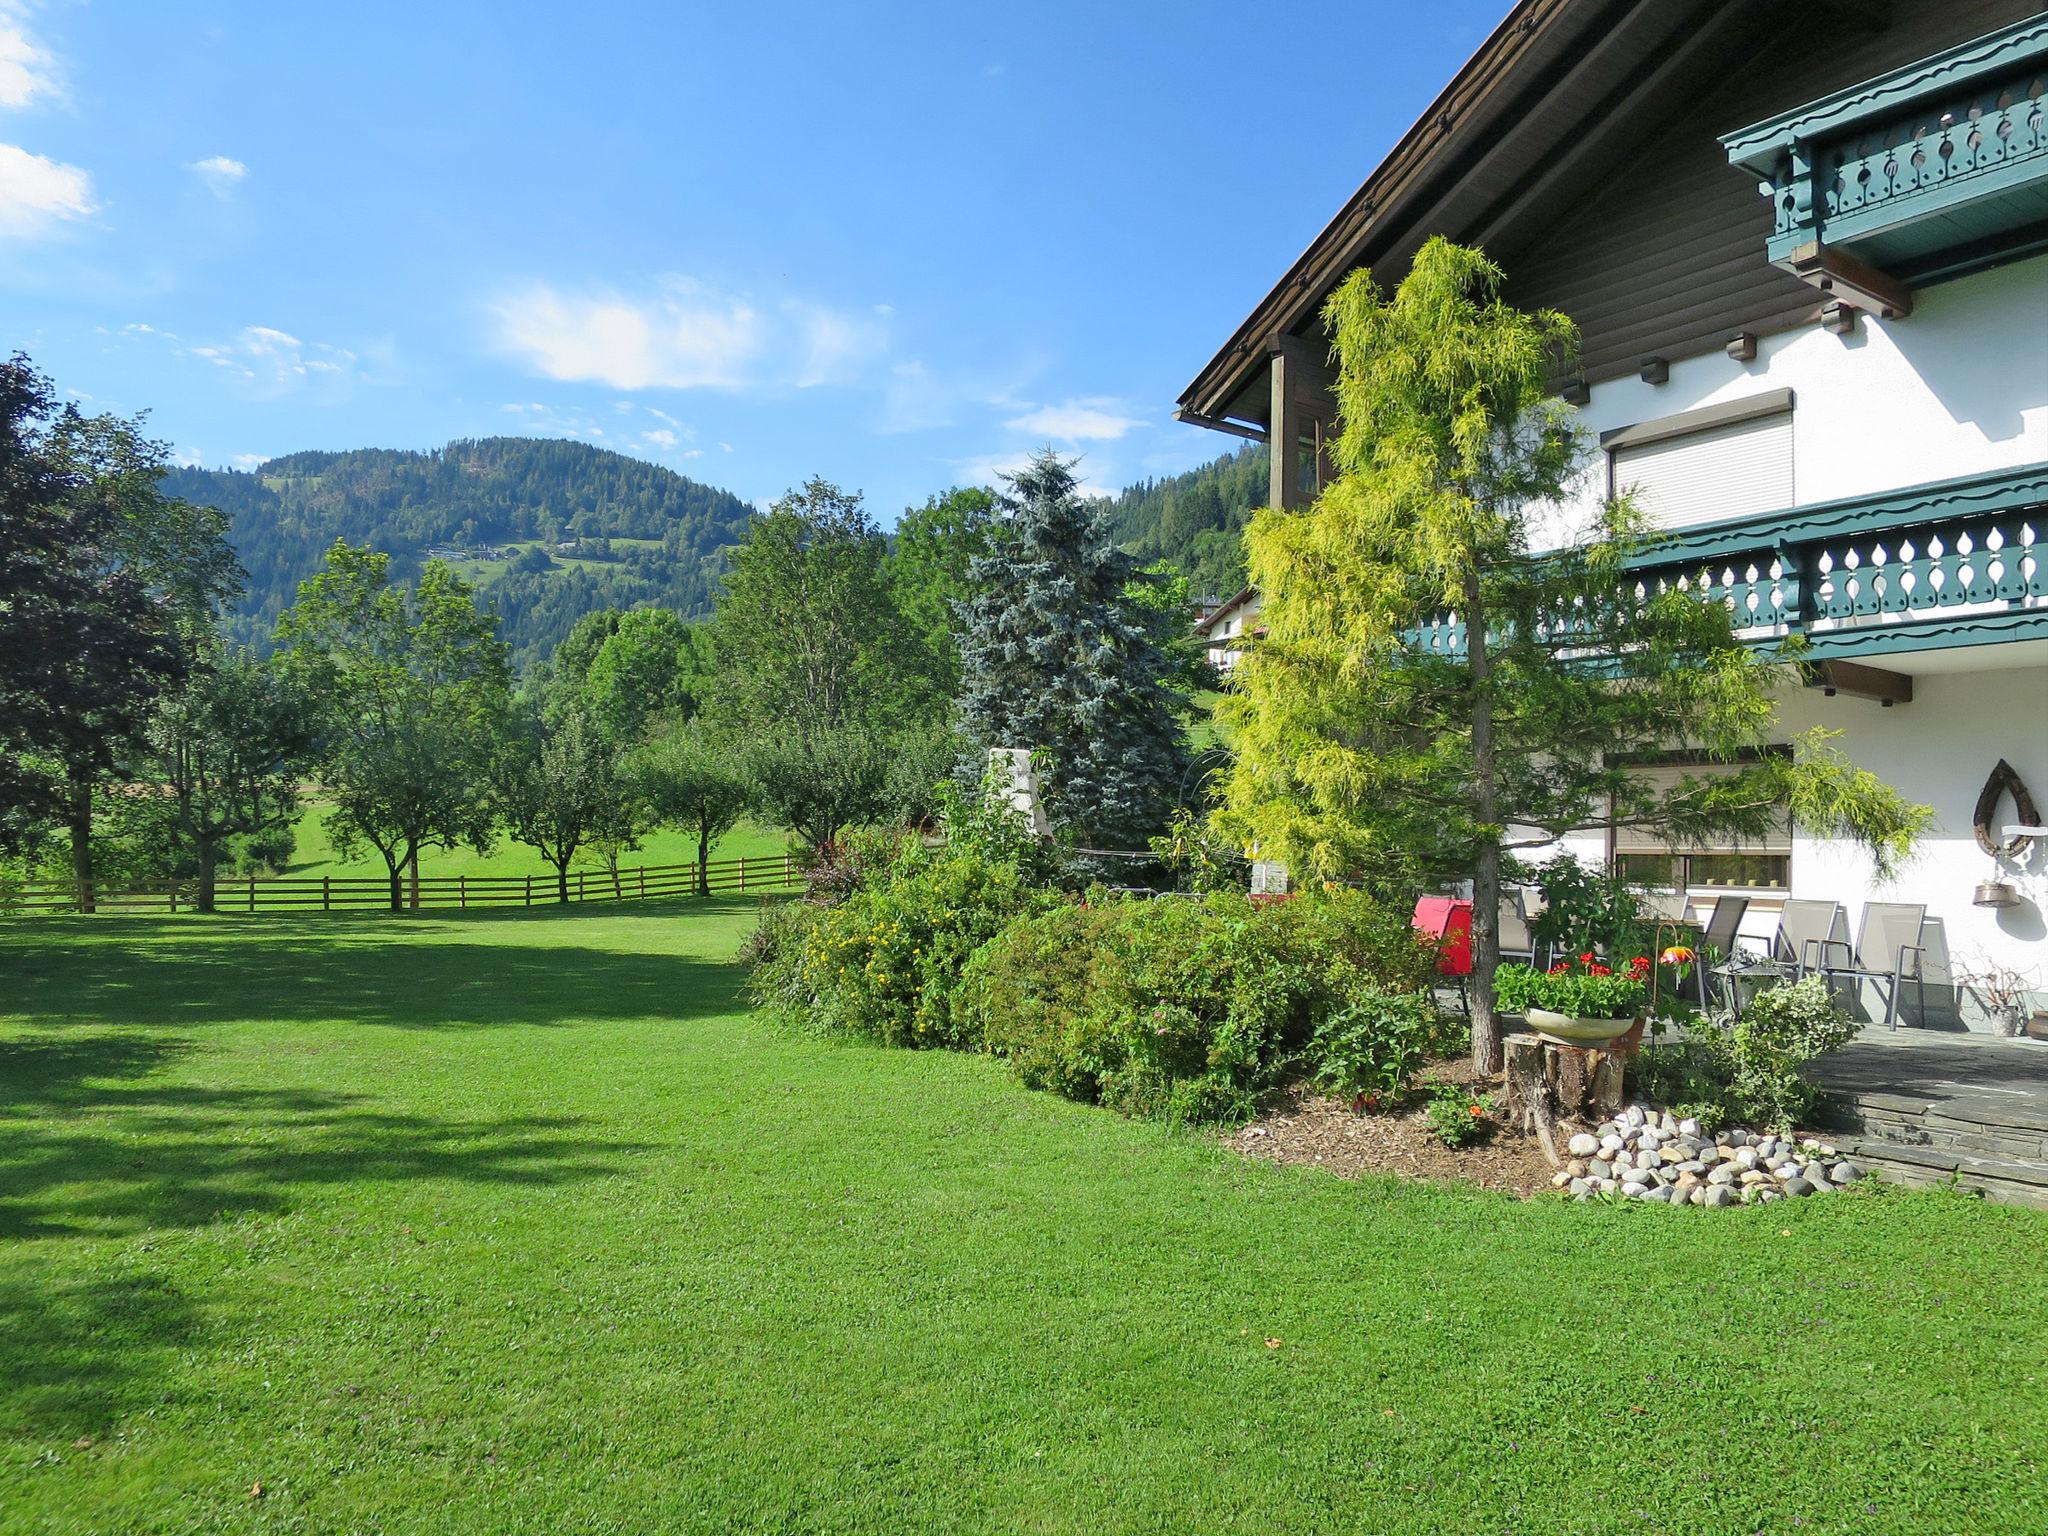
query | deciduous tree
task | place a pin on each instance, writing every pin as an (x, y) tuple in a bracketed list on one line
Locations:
[(563, 786), (413, 693), (105, 584), (688, 778), (231, 747)]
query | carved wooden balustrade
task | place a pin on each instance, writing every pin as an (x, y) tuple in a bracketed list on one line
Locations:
[(1960, 563)]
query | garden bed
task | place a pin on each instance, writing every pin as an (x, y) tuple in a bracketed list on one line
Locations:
[(1304, 1126)]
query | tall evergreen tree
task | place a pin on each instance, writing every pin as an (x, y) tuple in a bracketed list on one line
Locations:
[(1056, 655), (1359, 748)]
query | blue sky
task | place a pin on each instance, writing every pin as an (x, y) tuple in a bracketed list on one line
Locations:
[(895, 245)]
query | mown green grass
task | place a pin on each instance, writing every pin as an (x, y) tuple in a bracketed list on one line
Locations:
[(519, 1222), (314, 855)]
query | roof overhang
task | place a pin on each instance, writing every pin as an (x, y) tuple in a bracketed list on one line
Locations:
[(1547, 105)]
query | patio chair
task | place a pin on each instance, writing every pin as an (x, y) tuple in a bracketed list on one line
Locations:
[(1665, 906), (1516, 941), (1803, 927), (1718, 937), (1888, 948)]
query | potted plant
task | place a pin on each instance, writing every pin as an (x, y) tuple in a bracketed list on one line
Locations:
[(2007, 996), (1582, 1001)]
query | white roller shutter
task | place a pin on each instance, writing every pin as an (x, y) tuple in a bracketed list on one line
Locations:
[(1726, 471)]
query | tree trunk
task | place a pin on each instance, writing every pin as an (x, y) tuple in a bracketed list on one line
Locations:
[(703, 859), (1486, 1046), (78, 820), (396, 867), (209, 857), (562, 882)]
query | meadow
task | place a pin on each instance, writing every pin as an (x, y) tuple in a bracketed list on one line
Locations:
[(522, 1222), (314, 855)]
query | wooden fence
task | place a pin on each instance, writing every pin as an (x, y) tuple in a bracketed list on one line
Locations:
[(288, 893)]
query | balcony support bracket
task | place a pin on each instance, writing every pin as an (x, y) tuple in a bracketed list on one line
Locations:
[(1859, 681), (1841, 276)]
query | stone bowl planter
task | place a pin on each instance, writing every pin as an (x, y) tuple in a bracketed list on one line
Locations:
[(1563, 1029)]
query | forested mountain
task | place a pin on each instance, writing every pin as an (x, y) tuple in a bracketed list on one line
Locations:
[(550, 529), (1196, 520)]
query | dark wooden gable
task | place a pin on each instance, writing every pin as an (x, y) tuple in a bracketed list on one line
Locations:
[(1656, 249)]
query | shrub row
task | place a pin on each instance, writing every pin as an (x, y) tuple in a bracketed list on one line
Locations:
[(1183, 1008)]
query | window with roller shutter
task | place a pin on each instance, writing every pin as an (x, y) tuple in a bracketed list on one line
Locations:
[(1707, 466), (1643, 856)]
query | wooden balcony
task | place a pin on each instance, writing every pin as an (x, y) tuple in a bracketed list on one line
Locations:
[(1933, 170), (1957, 563)]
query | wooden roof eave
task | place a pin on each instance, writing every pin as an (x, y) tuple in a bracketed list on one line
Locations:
[(1522, 41)]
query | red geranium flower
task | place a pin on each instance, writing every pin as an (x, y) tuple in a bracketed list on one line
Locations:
[(1598, 970)]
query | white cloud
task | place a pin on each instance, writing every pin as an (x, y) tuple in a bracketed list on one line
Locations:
[(218, 173), (247, 460), (686, 335), (26, 70), (274, 360), (1095, 420), (679, 339), (837, 347), (660, 437), (36, 192)]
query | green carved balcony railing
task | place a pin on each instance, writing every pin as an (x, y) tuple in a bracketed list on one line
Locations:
[(1933, 170), (1961, 562)]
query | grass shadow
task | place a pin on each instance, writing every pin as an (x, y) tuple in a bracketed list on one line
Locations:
[(342, 976), (73, 1352), (87, 1149)]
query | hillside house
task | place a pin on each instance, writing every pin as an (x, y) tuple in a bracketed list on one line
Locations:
[(1226, 629)]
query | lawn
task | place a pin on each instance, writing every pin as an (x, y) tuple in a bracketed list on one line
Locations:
[(518, 1222)]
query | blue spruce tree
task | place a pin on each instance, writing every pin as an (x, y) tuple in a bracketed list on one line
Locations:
[(1055, 655)]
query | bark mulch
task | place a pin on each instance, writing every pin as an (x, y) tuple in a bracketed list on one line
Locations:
[(1304, 1126)]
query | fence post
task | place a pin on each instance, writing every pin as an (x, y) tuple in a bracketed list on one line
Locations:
[(252, 893), (462, 892), (327, 893), (643, 882), (529, 890), (743, 872)]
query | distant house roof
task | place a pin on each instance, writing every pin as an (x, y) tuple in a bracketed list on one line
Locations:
[(1236, 604)]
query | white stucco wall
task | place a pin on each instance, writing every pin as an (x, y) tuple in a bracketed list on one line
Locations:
[(1960, 387)]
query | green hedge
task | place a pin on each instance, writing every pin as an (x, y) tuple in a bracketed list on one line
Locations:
[(1181, 1008), (885, 961)]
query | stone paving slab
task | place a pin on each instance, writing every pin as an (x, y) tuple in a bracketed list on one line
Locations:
[(1979, 1078)]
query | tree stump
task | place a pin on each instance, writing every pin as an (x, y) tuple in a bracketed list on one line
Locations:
[(1549, 1083)]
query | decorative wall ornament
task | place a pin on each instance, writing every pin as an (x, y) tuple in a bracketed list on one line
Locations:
[(2004, 780)]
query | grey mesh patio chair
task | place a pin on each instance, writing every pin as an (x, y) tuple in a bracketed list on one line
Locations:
[(1665, 906), (1718, 937), (1888, 949), (1516, 941), (1803, 927)]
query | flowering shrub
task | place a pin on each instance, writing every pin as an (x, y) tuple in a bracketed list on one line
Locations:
[(885, 961), (1457, 1117), (1582, 988)]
